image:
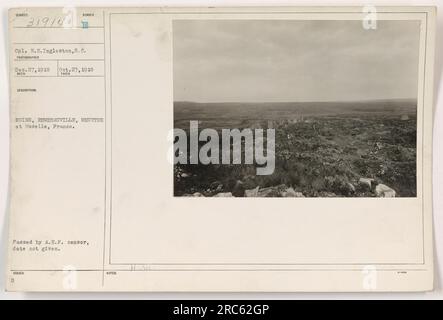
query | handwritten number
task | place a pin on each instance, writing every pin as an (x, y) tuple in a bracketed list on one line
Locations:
[(30, 22)]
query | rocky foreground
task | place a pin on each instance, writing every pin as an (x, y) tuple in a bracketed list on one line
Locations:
[(366, 187)]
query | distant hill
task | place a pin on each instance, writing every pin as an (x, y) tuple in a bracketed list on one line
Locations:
[(278, 110)]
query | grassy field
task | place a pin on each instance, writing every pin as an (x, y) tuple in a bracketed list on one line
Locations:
[(322, 149)]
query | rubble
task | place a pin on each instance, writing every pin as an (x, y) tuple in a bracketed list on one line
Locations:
[(291, 193), (272, 191), (252, 192), (239, 189)]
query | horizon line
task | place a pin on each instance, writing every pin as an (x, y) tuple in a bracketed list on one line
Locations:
[(302, 101)]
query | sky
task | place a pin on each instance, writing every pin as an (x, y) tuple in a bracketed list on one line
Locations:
[(290, 60)]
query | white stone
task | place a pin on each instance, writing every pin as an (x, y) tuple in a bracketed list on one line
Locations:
[(223, 194), (252, 192), (382, 190)]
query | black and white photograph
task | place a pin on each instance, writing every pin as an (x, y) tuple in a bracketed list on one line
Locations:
[(295, 108), (221, 150)]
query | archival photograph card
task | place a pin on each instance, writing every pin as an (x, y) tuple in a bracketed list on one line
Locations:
[(260, 149)]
